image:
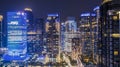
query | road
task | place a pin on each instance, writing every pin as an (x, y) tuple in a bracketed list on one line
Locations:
[(79, 63), (66, 59)]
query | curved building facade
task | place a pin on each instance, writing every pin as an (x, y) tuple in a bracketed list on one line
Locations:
[(110, 33)]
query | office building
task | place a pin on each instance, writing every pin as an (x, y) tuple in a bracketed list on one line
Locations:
[(52, 28), (31, 41), (110, 33), (16, 36), (40, 31), (70, 33), (62, 36), (30, 19), (96, 36), (71, 38), (88, 30), (31, 33)]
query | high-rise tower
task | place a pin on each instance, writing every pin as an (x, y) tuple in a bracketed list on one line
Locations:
[(87, 27), (40, 31), (30, 18), (110, 33), (16, 36), (53, 36), (31, 33), (95, 26), (70, 33)]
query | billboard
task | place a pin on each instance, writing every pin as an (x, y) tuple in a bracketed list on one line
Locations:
[(16, 33)]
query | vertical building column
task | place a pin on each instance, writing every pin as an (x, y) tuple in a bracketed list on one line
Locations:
[(1, 32)]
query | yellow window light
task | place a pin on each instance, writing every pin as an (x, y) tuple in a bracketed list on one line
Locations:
[(118, 12), (1, 17), (115, 35), (115, 17), (105, 35), (115, 52)]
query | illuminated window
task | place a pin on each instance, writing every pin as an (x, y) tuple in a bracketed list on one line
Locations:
[(115, 17), (115, 35), (115, 52), (1, 17)]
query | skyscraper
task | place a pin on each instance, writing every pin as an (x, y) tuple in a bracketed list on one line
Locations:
[(71, 24), (40, 31), (71, 40), (16, 36), (110, 33), (70, 33), (63, 26), (31, 33), (30, 19), (87, 24), (53, 36), (95, 26)]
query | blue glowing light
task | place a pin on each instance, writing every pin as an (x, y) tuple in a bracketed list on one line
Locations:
[(41, 57), (16, 34), (53, 15), (96, 8), (93, 14), (87, 14)]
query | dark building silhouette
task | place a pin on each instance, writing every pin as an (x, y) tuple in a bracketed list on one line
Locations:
[(40, 30), (4, 29), (110, 33), (31, 33), (30, 19)]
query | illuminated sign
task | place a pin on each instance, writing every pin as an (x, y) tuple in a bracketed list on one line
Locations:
[(85, 14)]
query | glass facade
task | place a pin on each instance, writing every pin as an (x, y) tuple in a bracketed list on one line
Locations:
[(16, 34), (88, 31), (110, 34), (52, 36)]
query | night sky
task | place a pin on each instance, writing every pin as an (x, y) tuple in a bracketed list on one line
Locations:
[(42, 7)]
